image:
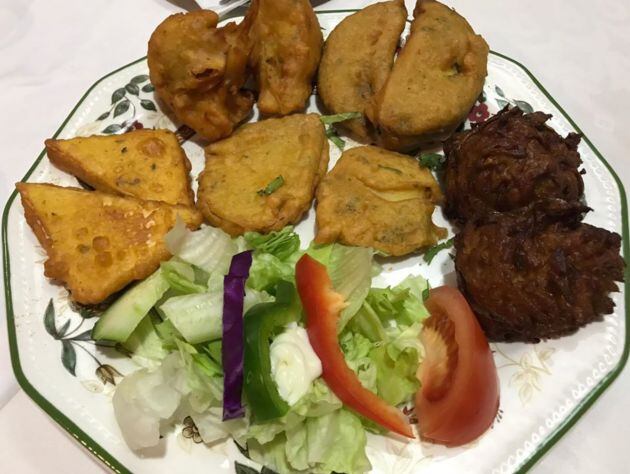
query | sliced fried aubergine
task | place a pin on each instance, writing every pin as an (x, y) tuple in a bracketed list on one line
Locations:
[(538, 272), (357, 59), (508, 162), (380, 199), (264, 176), (435, 80)]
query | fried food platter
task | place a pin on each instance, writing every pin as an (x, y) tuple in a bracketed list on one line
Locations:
[(545, 387)]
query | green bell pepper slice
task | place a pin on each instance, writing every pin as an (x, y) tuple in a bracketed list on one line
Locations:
[(261, 322)]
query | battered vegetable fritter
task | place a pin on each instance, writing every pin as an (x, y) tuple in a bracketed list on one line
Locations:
[(509, 162), (435, 80), (357, 59), (147, 164), (380, 199), (286, 49), (264, 176), (537, 273), (98, 243), (198, 71)]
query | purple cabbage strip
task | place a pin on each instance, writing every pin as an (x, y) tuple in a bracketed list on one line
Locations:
[(232, 349)]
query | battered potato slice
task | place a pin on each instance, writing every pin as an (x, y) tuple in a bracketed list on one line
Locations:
[(357, 59), (264, 176), (198, 71), (98, 243), (148, 164), (435, 80), (287, 43), (380, 199)]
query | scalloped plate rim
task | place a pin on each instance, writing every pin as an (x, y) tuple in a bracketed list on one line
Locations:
[(113, 464)]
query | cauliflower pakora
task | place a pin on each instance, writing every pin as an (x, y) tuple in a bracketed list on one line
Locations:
[(198, 70)]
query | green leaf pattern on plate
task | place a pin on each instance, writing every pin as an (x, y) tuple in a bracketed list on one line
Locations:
[(124, 104), (71, 339)]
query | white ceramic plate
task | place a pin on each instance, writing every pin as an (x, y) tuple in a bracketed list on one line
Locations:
[(544, 387)]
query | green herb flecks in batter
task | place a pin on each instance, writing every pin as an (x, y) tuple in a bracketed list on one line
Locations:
[(272, 187)]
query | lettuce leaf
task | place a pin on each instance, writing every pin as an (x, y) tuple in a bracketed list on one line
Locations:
[(267, 270), (350, 270), (181, 277), (281, 244), (208, 248), (199, 316), (387, 368), (317, 436)]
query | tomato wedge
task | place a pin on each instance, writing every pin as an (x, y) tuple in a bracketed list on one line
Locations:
[(322, 306), (459, 396)]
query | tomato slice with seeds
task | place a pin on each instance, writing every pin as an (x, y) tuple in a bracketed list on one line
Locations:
[(459, 394)]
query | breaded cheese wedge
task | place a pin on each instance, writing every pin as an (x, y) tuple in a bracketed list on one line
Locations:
[(264, 176), (437, 77), (357, 59), (380, 199), (147, 164), (98, 243)]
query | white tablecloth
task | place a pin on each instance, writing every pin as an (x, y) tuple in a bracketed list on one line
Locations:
[(53, 50)]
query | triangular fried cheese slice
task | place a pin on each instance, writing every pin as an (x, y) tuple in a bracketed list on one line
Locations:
[(147, 164), (98, 243)]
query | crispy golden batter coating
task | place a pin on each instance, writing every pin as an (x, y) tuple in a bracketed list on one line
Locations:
[(291, 151), (357, 59), (198, 71), (380, 199), (98, 243), (287, 43), (435, 80), (147, 164)]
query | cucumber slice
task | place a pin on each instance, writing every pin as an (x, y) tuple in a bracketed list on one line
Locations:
[(121, 318), (198, 317)]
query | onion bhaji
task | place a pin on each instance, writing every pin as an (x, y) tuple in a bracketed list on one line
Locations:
[(380, 199), (357, 59), (286, 49), (537, 272), (435, 80), (264, 176), (509, 162), (198, 70)]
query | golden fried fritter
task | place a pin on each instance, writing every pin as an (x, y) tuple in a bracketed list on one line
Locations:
[(287, 43), (380, 199), (147, 164), (198, 71), (264, 176), (98, 243), (435, 80), (357, 59)]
